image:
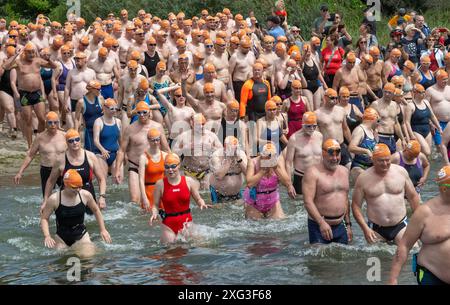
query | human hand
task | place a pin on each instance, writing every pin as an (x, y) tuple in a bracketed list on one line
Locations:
[(49, 242), (349, 234), (101, 202), (17, 178), (291, 191), (105, 236), (370, 236), (326, 231)]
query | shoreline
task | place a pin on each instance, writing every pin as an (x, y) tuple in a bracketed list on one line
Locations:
[(12, 154)]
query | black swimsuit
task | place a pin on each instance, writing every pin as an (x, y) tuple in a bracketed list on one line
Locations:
[(86, 174), (150, 63), (311, 75), (5, 83), (70, 221)]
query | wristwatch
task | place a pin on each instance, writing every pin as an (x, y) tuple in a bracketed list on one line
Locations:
[(102, 195)]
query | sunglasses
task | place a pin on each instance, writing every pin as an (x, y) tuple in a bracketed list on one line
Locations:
[(112, 108), (52, 122), (67, 53), (363, 42), (74, 140), (235, 110), (312, 126), (332, 151), (178, 95), (152, 44), (154, 140), (115, 47), (420, 92), (147, 24), (209, 46), (142, 113), (279, 104), (333, 98), (222, 45), (295, 31), (140, 34), (173, 166)]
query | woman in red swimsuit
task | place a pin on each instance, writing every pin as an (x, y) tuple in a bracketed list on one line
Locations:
[(175, 191)]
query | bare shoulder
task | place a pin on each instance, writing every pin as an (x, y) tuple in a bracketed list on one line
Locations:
[(343, 170), (86, 196)]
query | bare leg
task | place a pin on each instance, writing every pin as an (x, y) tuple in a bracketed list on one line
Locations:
[(27, 124), (133, 185), (167, 235), (157, 116), (276, 212), (355, 172), (52, 104), (103, 165), (252, 213), (424, 143), (318, 97), (84, 247), (39, 109), (7, 105)]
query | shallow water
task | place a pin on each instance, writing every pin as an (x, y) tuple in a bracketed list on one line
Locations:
[(229, 250)]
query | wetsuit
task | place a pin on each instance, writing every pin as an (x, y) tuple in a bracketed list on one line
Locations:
[(109, 139), (254, 96), (426, 82), (176, 200), (295, 115), (150, 63), (362, 160), (70, 221), (154, 171), (46, 76), (90, 114), (311, 75), (86, 174), (420, 120)]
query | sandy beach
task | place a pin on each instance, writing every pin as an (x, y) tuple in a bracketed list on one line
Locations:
[(12, 153)]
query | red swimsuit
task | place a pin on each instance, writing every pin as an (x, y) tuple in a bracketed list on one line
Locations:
[(176, 200)]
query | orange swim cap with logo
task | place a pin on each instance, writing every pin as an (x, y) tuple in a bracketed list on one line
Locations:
[(413, 148), (381, 150), (72, 179)]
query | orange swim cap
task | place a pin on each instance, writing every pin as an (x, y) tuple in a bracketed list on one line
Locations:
[(370, 114), (153, 133), (270, 105), (220, 41), (269, 149), (231, 141), (233, 105), (447, 57), (291, 63), (296, 84), (103, 52), (108, 42), (262, 61), (396, 52), (199, 118), (398, 92), (84, 41), (72, 179), (276, 99), (443, 176), (10, 51), (351, 57), (410, 65), (268, 39), (344, 92), (245, 42), (72, 133), (381, 150), (110, 102), (209, 67), (280, 47), (397, 80), (80, 55), (143, 84), (282, 39), (132, 64), (172, 159), (52, 116), (161, 65), (135, 55), (330, 143), (419, 88), (309, 118), (374, 51), (151, 40), (331, 92), (208, 87), (234, 39), (390, 87), (441, 74), (142, 106), (413, 148), (94, 84), (368, 58), (199, 55), (29, 47), (180, 43)]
